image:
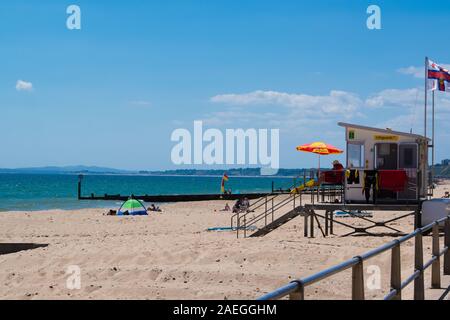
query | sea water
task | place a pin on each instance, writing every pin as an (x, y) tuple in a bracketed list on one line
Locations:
[(32, 192)]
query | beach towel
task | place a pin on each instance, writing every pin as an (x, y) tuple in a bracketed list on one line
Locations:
[(392, 180)]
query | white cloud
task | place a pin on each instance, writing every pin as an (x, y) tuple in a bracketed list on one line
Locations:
[(399, 109), (296, 114), (24, 86), (395, 98), (337, 102)]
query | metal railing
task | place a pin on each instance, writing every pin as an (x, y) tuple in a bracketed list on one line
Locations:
[(268, 215), (264, 201), (253, 207), (296, 289), (242, 221)]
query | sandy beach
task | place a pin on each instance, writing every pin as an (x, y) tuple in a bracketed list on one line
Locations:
[(172, 256)]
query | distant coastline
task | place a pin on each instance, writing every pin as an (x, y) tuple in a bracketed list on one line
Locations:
[(86, 170), (441, 171)]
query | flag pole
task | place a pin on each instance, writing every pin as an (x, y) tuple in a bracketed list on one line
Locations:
[(426, 96), (433, 150), (427, 183)]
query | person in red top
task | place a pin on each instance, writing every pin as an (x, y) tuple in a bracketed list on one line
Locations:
[(334, 176), (337, 166)]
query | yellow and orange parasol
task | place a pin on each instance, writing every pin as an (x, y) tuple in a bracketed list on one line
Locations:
[(320, 148)]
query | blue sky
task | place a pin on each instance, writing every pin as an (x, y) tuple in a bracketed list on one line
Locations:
[(111, 93)]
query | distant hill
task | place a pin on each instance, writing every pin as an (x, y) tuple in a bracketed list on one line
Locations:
[(67, 170), (239, 172)]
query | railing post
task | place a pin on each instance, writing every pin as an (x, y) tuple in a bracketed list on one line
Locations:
[(272, 210), (298, 294), (447, 245), (265, 218), (305, 224), (331, 222), (238, 225), (294, 202), (311, 224), (396, 272), (418, 219), (358, 281), (419, 285), (436, 266), (245, 226), (265, 209), (326, 223)]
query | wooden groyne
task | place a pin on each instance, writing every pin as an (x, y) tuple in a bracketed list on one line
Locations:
[(171, 198), (177, 197)]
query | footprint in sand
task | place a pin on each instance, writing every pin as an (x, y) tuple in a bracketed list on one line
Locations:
[(154, 274), (92, 288)]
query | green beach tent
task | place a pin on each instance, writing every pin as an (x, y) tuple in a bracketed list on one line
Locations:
[(132, 207)]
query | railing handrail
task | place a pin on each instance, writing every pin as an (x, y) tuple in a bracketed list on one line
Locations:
[(291, 197), (252, 207), (299, 285), (276, 207)]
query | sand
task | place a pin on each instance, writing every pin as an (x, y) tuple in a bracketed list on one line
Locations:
[(172, 256)]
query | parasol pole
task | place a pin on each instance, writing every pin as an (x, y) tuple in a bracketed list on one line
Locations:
[(318, 172)]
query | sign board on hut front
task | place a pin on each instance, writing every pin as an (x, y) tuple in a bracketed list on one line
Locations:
[(380, 137)]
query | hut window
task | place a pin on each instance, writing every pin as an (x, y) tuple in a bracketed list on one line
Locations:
[(408, 156), (355, 155)]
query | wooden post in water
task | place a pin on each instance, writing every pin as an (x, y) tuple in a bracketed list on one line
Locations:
[(80, 178), (436, 266)]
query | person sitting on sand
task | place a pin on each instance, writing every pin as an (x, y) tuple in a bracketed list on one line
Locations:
[(227, 208), (237, 206), (245, 204), (111, 213), (154, 208)]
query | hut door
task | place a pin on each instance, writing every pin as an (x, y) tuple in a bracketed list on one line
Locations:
[(386, 156), (408, 161)]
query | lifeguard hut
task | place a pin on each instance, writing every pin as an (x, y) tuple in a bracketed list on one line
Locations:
[(385, 166), (385, 170)]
